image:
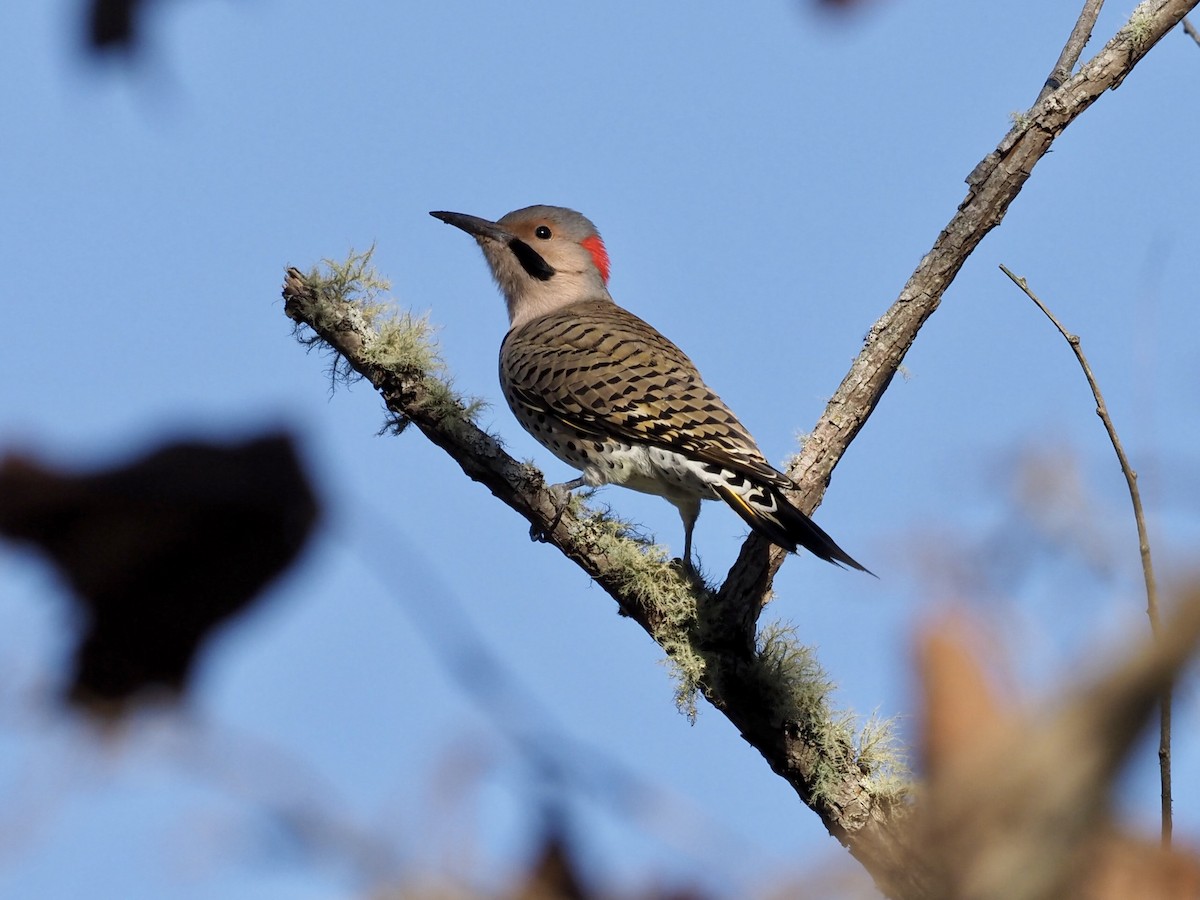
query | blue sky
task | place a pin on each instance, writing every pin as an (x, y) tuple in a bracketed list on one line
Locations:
[(766, 181)]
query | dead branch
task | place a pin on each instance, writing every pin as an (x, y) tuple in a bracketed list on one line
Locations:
[(992, 185), (1139, 516), (1073, 49)]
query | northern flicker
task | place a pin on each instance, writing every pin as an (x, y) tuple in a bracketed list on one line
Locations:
[(607, 394)]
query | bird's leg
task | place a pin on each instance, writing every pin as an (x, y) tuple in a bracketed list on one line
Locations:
[(687, 547), (562, 500), (689, 511)]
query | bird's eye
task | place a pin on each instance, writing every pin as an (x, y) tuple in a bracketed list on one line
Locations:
[(542, 232)]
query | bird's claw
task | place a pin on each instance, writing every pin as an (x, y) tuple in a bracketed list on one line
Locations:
[(561, 494), (685, 567)]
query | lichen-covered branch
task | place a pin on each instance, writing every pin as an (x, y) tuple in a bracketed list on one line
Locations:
[(772, 689), (396, 355)]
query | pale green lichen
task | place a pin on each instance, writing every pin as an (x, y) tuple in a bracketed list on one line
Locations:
[(642, 568), (786, 673), (795, 684), (789, 680), (1020, 119), (882, 759), (1140, 26), (353, 279), (793, 459), (394, 340), (799, 692)]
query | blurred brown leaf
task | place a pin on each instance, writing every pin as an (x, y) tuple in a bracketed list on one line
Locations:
[(1016, 804), (552, 875)]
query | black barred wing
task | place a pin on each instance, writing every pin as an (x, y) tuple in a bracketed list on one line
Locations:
[(603, 371)]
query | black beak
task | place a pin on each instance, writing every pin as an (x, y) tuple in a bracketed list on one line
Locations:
[(475, 226), (482, 229)]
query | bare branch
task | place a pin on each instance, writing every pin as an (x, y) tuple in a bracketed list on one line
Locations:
[(993, 185), (1135, 496), (1073, 49)]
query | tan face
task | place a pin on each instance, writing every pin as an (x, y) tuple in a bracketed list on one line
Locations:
[(542, 257)]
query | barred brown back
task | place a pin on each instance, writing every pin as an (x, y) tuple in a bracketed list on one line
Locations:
[(601, 370)]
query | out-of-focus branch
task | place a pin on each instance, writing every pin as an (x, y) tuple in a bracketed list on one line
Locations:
[(993, 185), (1017, 801), (1139, 516)]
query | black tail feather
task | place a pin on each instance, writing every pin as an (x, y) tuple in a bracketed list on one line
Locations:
[(788, 527)]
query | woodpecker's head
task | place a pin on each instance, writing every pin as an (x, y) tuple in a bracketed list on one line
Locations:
[(542, 257)]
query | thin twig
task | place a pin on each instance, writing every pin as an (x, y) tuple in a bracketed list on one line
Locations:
[(1164, 737), (1073, 49), (1190, 29)]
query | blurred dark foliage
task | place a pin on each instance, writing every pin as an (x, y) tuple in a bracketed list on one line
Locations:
[(838, 13), (161, 551), (114, 26), (837, 6)]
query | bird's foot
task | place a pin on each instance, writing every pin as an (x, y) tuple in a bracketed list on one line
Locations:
[(561, 494), (685, 567)]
